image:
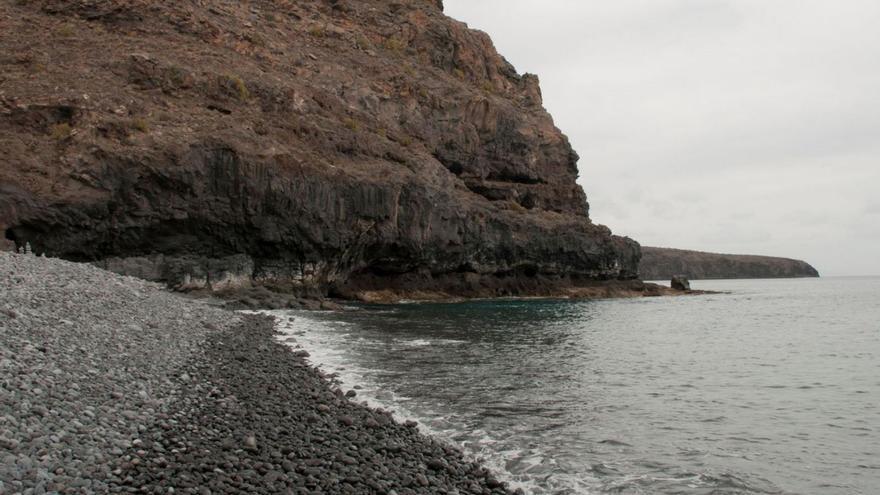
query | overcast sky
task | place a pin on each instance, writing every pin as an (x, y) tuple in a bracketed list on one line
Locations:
[(741, 126)]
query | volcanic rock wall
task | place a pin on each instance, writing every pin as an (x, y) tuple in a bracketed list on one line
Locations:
[(317, 146)]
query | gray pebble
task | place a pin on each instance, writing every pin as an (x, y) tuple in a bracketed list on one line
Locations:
[(147, 392)]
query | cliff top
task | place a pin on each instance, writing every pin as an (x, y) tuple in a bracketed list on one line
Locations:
[(372, 87)]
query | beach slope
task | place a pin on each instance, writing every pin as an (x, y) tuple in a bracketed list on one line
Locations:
[(112, 384)]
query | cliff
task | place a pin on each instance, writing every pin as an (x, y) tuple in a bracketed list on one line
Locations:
[(334, 146), (664, 263)]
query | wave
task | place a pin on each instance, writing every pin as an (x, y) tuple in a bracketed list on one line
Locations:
[(327, 343)]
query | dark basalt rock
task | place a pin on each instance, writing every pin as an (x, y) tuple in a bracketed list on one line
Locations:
[(273, 424), (312, 148), (680, 283)]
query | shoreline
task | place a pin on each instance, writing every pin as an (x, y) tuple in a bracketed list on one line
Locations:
[(293, 329), (308, 427), (117, 384), (569, 293), (263, 298)]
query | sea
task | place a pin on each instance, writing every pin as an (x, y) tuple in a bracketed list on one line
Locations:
[(768, 387)]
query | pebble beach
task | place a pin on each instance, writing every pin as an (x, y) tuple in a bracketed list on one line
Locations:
[(111, 384)]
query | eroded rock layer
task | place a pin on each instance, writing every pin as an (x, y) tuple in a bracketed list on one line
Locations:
[(319, 146)]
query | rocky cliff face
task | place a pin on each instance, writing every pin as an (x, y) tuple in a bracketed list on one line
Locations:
[(319, 146), (663, 263)]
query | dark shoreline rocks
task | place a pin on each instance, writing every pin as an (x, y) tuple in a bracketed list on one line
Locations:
[(260, 297), (111, 384), (260, 419), (679, 282)]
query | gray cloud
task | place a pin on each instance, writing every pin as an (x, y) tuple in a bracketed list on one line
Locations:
[(736, 126)]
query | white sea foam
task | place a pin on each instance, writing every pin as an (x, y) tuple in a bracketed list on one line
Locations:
[(619, 397), (427, 342), (327, 343)]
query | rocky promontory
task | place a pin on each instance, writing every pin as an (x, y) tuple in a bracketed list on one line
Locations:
[(320, 147), (664, 263)]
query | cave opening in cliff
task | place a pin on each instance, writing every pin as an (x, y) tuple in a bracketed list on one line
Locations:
[(530, 271), (10, 236)]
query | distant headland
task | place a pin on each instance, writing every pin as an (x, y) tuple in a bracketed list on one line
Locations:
[(663, 263)]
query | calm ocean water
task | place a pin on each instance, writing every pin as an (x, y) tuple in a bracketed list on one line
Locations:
[(772, 388)]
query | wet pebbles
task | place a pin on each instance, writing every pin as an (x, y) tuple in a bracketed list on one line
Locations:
[(112, 385)]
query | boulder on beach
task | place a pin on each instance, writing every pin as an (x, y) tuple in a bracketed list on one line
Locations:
[(680, 283)]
